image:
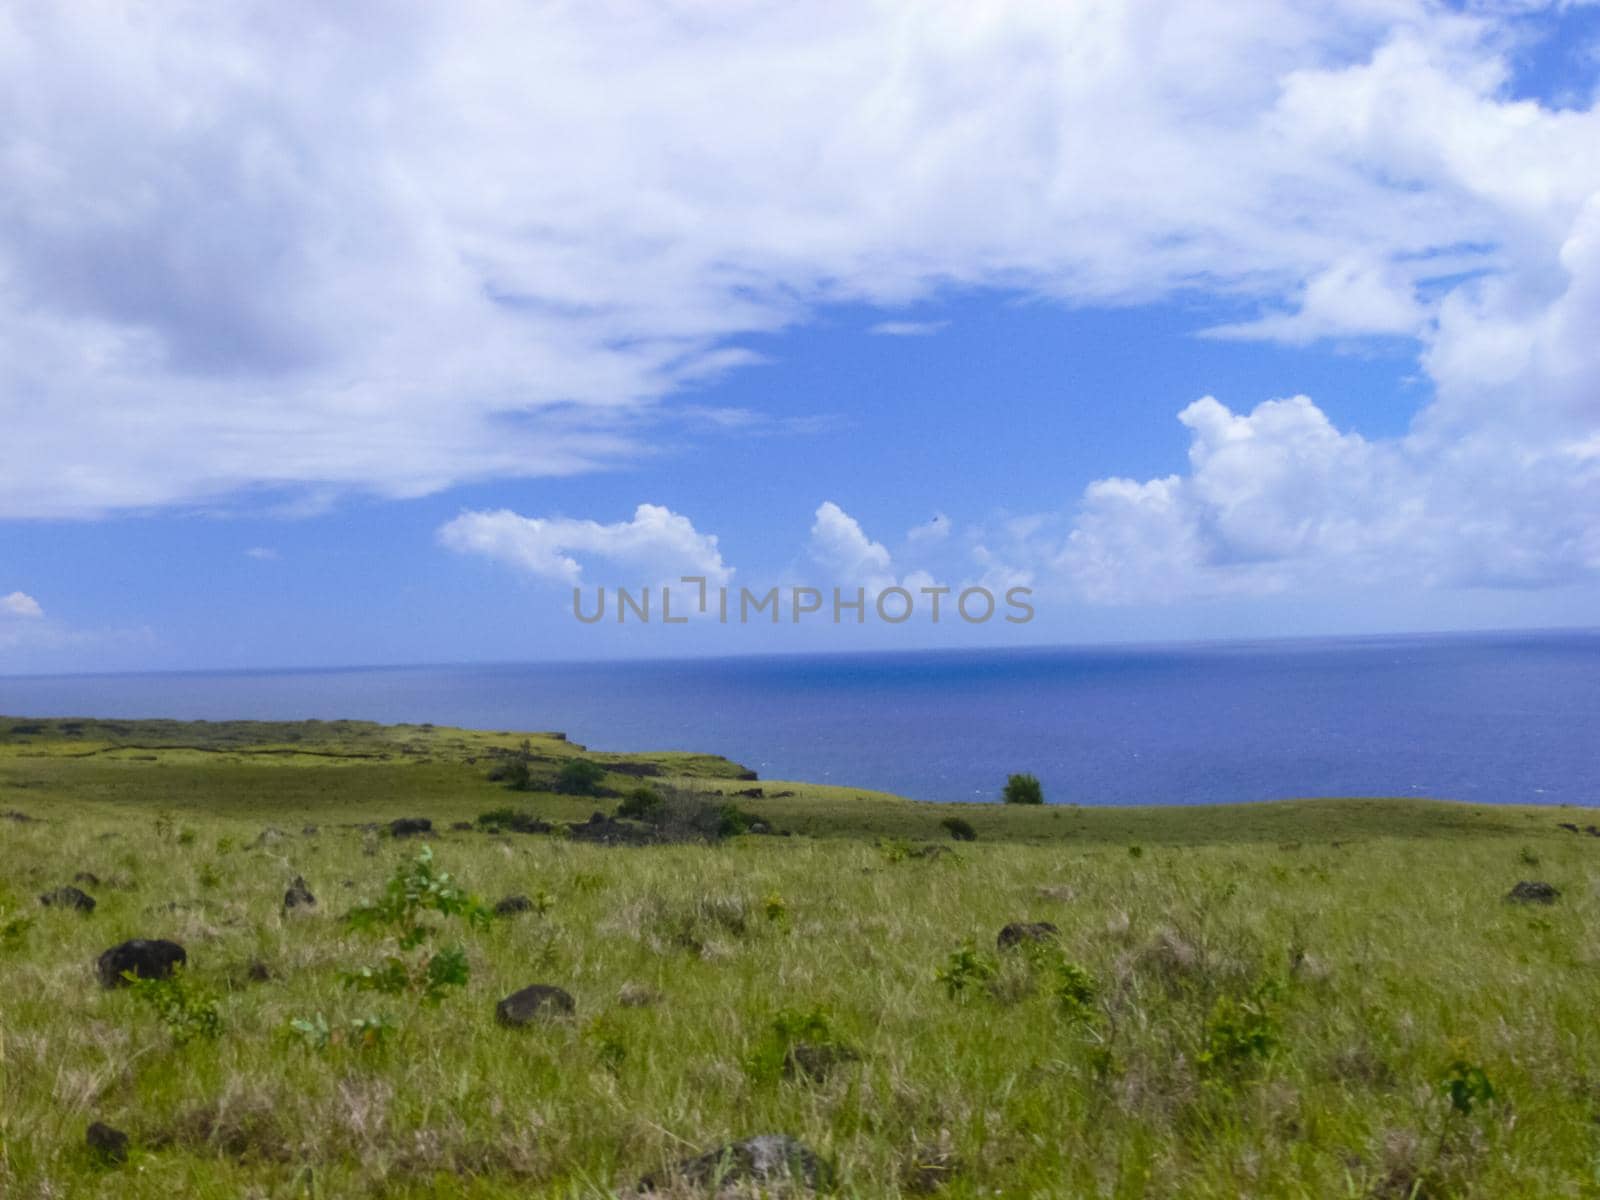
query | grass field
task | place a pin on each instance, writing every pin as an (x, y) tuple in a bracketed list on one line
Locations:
[(1312, 998)]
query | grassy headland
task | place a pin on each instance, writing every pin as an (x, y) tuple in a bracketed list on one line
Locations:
[(1309, 998)]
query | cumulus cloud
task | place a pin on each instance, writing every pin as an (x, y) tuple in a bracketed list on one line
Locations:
[(656, 546), (20, 604), (840, 547), (261, 249)]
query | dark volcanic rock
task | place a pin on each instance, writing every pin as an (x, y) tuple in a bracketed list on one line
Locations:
[(88, 877), (68, 897), (153, 959), (298, 895), (1533, 891), (534, 1003), (608, 832), (639, 770), (1567, 825), (512, 905), (258, 971), (106, 1143), (410, 826), (21, 818), (768, 1158), (1018, 932), (461, 826)]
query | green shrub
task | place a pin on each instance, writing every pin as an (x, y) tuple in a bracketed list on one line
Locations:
[(1022, 789), (1239, 1032), (641, 804), (579, 777), (1467, 1085), (187, 1012), (960, 830), (415, 888), (773, 1056), (966, 967)]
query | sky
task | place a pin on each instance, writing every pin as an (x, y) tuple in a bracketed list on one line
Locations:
[(366, 334)]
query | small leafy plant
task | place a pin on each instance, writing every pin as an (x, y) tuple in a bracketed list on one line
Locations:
[(1467, 1085), (966, 968), (809, 1030), (415, 888), (1240, 1031), (187, 1012)]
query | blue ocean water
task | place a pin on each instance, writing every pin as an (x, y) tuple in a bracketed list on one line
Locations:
[(1486, 718)]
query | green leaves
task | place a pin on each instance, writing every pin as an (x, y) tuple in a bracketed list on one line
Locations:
[(1467, 1085), (966, 968), (415, 888), (187, 1012)]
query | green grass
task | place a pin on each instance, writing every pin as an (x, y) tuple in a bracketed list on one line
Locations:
[(1266, 1000)]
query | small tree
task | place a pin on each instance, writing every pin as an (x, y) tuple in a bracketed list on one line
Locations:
[(1022, 789)]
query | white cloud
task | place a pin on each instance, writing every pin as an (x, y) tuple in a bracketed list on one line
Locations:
[(907, 328), (931, 532), (261, 553), (847, 554), (20, 604), (283, 248), (657, 546)]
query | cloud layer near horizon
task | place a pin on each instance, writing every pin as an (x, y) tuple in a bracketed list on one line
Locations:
[(256, 250)]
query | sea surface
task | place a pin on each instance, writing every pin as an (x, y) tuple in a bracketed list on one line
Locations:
[(1483, 717)]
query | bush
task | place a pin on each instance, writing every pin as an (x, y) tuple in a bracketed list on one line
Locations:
[(961, 830), (640, 804), (579, 777), (186, 1012), (1022, 789)]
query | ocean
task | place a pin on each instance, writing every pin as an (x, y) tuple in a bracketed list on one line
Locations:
[(1488, 718)]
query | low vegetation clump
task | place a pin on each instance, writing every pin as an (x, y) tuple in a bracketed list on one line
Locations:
[(1265, 1002)]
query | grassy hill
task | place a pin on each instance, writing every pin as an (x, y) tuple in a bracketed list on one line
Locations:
[(1311, 998)]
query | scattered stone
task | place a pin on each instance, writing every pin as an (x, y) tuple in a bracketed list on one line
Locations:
[(298, 895), (754, 793), (1061, 892), (88, 877), (813, 1061), (270, 836), (461, 826), (308, 830), (410, 826), (1591, 830), (539, 1001), (637, 995), (152, 959), (258, 971), (68, 897), (1533, 891), (1567, 825), (108, 1144), (1018, 932), (21, 818), (512, 905), (768, 1158)]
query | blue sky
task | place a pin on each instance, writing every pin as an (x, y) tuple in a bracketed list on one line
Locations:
[(1195, 326)]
